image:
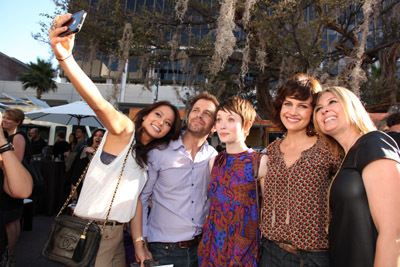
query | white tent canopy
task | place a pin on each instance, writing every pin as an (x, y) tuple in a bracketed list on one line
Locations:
[(76, 113)]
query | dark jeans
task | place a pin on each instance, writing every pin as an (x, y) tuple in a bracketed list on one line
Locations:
[(272, 255), (179, 257)]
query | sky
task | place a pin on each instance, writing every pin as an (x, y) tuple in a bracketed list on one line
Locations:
[(18, 20)]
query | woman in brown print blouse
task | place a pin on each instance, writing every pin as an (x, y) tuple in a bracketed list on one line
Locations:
[(299, 170)]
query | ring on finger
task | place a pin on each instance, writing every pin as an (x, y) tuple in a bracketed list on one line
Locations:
[(54, 23), (53, 26)]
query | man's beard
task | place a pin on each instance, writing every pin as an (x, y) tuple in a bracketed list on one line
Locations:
[(199, 131)]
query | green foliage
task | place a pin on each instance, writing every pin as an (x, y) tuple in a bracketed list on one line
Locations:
[(39, 77)]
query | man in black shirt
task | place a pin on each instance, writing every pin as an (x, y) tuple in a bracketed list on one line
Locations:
[(37, 143), (60, 146), (393, 122)]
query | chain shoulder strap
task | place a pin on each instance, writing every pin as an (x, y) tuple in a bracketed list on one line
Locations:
[(116, 187), (115, 191), (76, 186)]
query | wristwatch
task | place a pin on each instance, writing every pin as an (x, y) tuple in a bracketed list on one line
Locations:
[(140, 238), (6, 147)]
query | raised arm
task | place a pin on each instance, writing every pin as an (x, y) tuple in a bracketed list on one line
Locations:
[(382, 183), (115, 122)]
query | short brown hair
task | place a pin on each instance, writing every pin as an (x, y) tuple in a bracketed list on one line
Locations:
[(16, 115), (241, 107), (300, 87), (203, 95)]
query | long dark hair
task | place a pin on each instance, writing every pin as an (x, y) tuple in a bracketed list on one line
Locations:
[(141, 150), (90, 140)]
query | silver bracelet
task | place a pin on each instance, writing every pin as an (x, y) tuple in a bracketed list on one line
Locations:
[(62, 59)]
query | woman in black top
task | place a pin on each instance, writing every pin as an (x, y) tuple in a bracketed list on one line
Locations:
[(364, 196), (15, 181), (12, 207)]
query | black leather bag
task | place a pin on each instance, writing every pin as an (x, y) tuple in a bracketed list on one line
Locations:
[(73, 241)]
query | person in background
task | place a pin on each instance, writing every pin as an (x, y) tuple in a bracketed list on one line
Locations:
[(126, 143), (177, 184), (80, 139), (364, 196), (93, 144), (231, 236), (16, 182), (12, 207), (82, 160), (81, 142), (37, 143), (72, 141), (67, 158), (299, 169), (393, 122), (60, 146)]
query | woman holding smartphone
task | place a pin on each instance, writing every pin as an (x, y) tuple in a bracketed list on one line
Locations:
[(152, 127)]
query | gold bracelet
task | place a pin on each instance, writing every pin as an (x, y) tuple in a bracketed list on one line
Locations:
[(140, 238), (62, 59)]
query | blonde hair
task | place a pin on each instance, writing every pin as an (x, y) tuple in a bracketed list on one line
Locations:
[(241, 107), (353, 109)]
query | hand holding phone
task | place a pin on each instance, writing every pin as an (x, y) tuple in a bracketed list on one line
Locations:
[(74, 23)]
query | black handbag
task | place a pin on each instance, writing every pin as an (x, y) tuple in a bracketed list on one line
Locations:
[(74, 241)]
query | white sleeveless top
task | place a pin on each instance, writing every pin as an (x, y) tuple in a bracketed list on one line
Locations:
[(100, 182)]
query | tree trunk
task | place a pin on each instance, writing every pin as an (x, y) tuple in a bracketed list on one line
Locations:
[(264, 98), (389, 80), (125, 45), (39, 93)]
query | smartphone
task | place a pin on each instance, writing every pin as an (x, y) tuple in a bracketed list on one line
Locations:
[(74, 24)]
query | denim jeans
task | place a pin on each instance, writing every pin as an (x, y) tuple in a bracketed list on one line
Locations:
[(272, 255), (179, 257)]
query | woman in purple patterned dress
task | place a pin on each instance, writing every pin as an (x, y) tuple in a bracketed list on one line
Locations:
[(230, 235)]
